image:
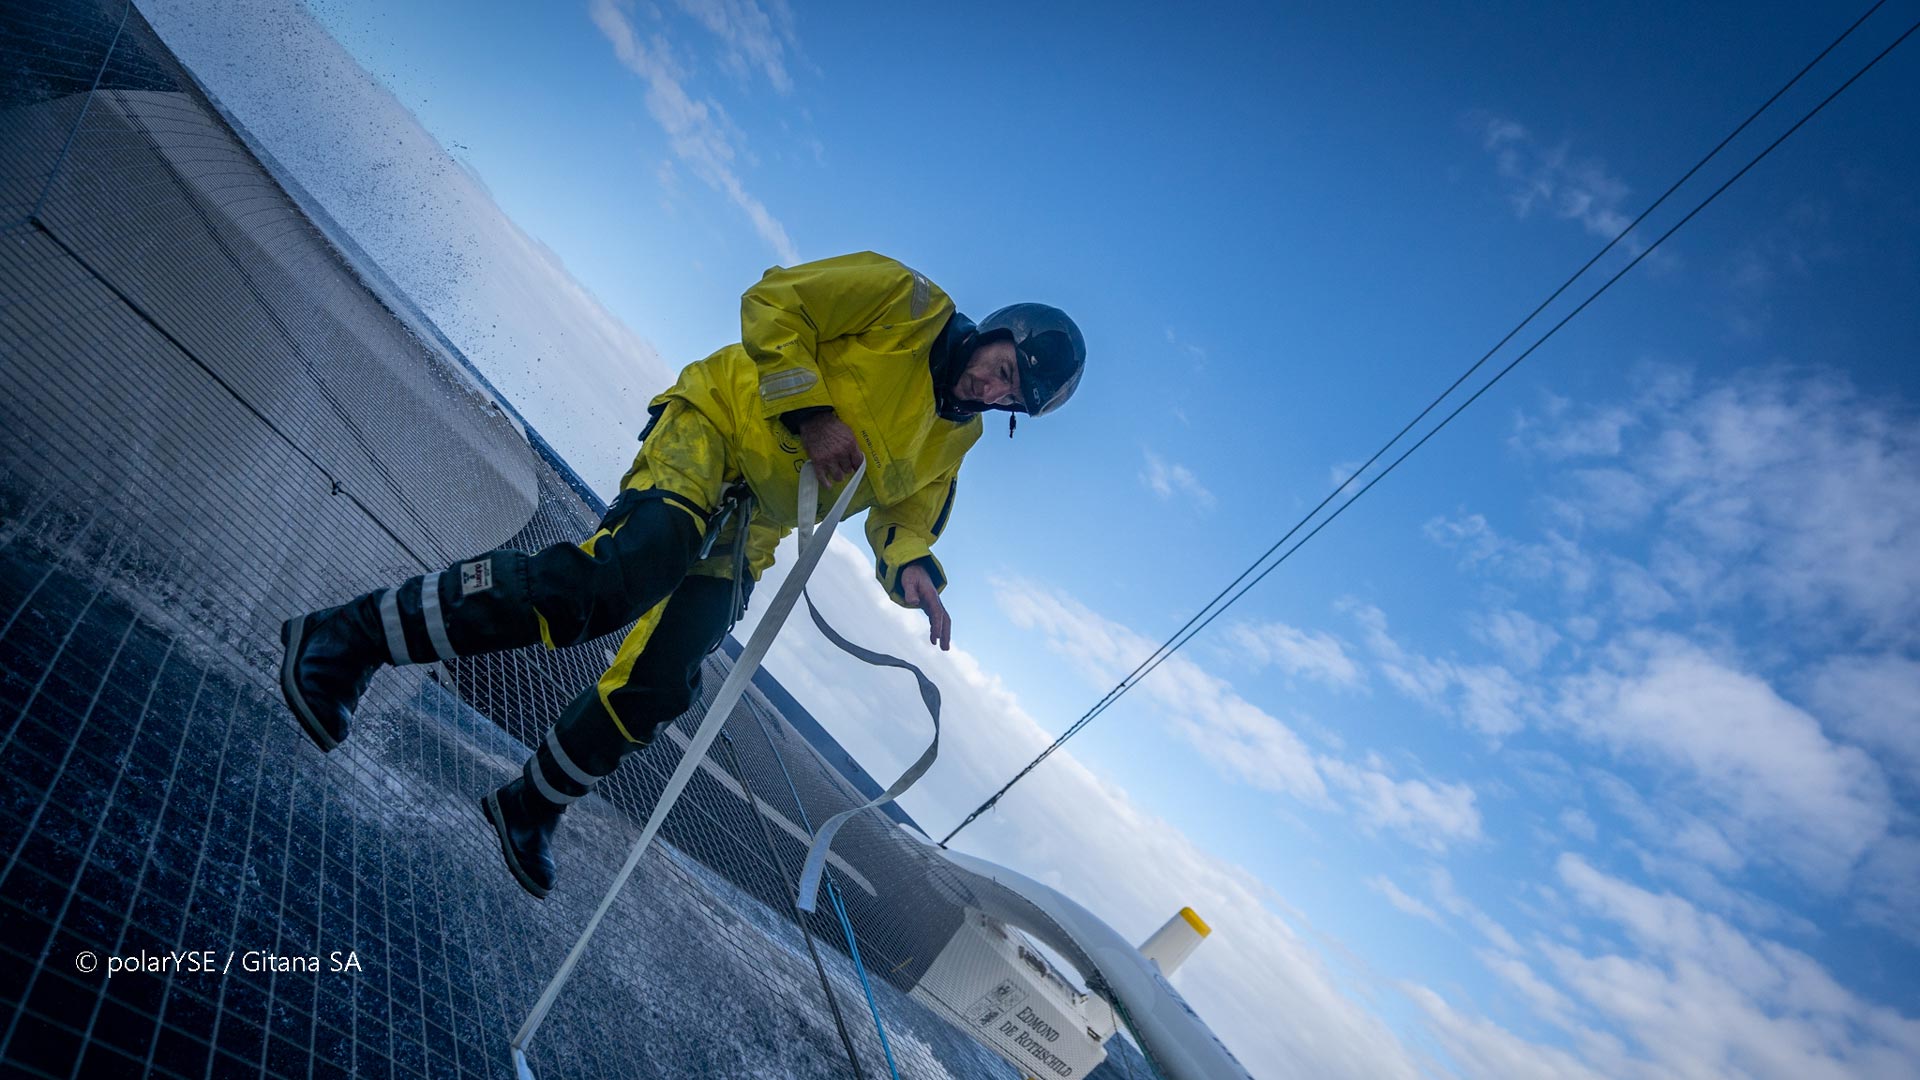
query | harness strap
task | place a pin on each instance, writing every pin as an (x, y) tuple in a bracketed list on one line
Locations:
[(736, 503)]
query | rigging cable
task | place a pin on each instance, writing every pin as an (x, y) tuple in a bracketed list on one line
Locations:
[(1214, 607)]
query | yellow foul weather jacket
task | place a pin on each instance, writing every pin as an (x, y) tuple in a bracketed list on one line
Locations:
[(854, 333)]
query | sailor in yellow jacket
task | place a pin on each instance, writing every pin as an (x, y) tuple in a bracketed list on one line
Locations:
[(850, 359)]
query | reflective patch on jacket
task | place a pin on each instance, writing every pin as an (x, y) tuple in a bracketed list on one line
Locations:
[(922, 295), (785, 384)]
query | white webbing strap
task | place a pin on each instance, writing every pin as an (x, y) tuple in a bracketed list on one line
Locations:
[(823, 840), (813, 544), (811, 870)]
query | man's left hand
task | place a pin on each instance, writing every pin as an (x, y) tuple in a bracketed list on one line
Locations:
[(831, 445), (917, 586)]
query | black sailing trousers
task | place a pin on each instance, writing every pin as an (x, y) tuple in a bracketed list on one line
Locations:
[(569, 593)]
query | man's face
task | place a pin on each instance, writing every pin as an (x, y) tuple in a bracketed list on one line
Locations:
[(992, 376)]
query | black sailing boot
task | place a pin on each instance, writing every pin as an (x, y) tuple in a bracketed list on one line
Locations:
[(580, 749), (524, 822), (330, 657)]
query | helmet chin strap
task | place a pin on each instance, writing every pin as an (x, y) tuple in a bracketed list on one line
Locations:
[(977, 408)]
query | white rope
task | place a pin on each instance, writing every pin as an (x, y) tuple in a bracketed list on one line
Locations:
[(813, 544)]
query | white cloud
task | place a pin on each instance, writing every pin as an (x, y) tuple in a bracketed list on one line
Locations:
[(1523, 641), (1399, 899), (1638, 596), (1314, 654), (1550, 179), (1686, 851), (1598, 432), (1492, 700), (1345, 476), (1875, 702), (1420, 678), (1699, 881), (1546, 999), (1432, 815), (1763, 523), (1779, 783), (1794, 493), (1447, 895), (702, 136), (1886, 885), (1169, 480), (1610, 498), (1687, 995), (1578, 823), (752, 38), (1238, 738), (1482, 547), (1818, 488), (1482, 1048), (1706, 845), (1703, 999), (1487, 697)]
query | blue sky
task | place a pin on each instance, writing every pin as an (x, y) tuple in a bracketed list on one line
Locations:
[(1587, 744)]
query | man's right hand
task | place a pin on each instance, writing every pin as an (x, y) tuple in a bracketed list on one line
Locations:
[(831, 446)]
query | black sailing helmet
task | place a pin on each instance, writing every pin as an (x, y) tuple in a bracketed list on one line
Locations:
[(1050, 349)]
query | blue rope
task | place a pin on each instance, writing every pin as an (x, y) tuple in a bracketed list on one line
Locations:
[(847, 929), (839, 908)]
